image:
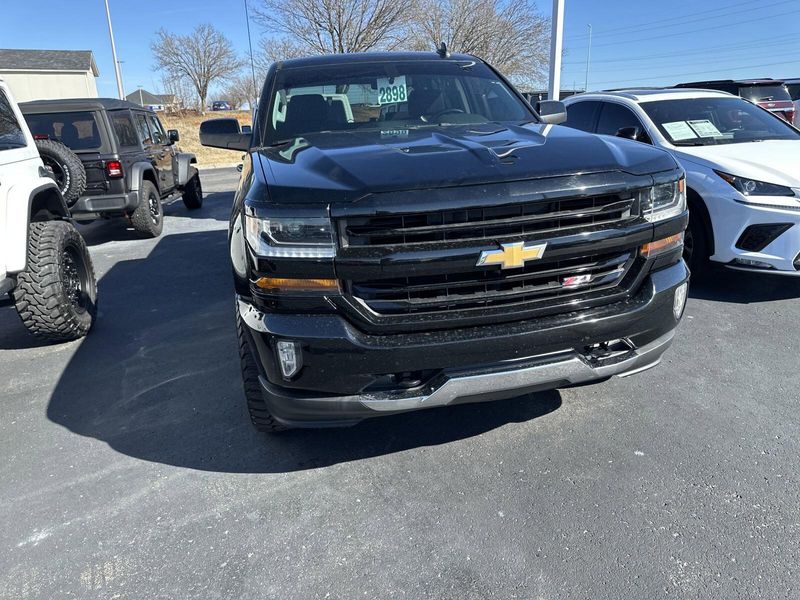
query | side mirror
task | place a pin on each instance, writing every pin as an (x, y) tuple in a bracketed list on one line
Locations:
[(247, 129), (225, 134), (173, 135), (552, 112), (631, 133)]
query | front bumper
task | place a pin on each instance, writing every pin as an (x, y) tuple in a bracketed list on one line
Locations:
[(780, 257), (111, 203), (341, 364)]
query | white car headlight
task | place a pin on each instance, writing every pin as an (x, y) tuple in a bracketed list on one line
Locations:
[(664, 200), (301, 237), (751, 187)]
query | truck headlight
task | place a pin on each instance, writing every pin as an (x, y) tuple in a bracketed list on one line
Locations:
[(302, 237), (664, 200), (751, 187)]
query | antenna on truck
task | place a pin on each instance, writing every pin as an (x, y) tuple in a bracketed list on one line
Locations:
[(442, 50)]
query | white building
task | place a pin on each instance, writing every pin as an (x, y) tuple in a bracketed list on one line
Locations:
[(49, 74)]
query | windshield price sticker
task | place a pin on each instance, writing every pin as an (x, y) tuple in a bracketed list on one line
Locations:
[(392, 90), (705, 128), (679, 131)]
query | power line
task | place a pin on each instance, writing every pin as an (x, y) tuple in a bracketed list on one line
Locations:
[(680, 20), (792, 39), (720, 62), (689, 31), (684, 75)]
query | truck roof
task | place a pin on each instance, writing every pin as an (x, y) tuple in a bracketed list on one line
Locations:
[(364, 57), (76, 104)]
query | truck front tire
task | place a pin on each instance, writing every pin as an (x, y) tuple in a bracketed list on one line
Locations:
[(148, 218), (56, 296), (254, 395)]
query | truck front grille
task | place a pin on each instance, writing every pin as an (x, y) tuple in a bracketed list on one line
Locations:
[(478, 289), (491, 222)]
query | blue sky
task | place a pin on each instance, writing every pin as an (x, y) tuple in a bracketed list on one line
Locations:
[(634, 43)]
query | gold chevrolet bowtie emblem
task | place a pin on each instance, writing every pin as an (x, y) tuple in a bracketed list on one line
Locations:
[(512, 256)]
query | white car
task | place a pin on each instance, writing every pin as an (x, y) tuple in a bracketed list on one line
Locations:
[(742, 169), (44, 263)]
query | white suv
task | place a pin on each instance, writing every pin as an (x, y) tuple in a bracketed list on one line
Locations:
[(44, 263), (742, 169)]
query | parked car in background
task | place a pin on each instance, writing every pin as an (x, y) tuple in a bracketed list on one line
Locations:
[(793, 87), (220, 105), (742, 169), (130, 164), (458, 248), (769, 94), (44, 263)]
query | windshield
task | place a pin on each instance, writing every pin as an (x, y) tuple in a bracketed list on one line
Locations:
[(389, 96), (764, 93), (77, 130), (706, 121)]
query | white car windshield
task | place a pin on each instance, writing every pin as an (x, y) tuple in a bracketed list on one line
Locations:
[(707, 121)]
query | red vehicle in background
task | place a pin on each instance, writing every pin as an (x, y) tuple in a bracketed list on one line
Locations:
[(770, 94)]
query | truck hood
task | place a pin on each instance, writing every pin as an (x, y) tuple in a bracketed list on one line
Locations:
[(348, 165), (773, 161)]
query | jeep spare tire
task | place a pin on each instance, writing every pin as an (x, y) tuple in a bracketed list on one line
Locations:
[(66, 168)]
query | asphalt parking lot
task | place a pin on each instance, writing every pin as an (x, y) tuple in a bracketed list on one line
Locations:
[(130, 469)]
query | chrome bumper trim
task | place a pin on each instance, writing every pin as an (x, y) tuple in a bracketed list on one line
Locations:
[(574, 370)]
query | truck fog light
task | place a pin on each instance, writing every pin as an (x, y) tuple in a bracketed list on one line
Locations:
[(680, 300), (289, 357)]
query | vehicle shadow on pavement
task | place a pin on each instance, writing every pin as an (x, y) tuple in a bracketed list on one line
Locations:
[(158, 377), (13, 335), (216, 206), (742, 287)]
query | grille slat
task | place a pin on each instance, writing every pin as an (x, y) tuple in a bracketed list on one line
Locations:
[(542, 216), (488, 288)]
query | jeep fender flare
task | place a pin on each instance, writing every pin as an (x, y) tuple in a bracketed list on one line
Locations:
[(186, 171), (42, 202), (139, 172)]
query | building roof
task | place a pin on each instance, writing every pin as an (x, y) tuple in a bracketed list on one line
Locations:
[(48, 60), (75, 105), (144, 98), (654, 94)]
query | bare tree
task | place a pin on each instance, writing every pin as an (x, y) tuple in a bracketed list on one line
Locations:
[(240, 90), (203, 57), (510, 34), (336, 26)]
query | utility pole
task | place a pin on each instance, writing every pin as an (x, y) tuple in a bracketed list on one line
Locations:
[(588, 59), (119, 64), (114, 54), (556, 42), (252, 64)]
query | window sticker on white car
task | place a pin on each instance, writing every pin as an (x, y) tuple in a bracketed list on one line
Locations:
[(392, 89), (705, 128), (679, 130)]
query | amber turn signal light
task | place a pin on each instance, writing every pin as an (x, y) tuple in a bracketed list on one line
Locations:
[(284, 284), (663, 245)]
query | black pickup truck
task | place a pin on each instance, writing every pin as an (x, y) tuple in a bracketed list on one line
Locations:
[(410, 233), (129, 164)]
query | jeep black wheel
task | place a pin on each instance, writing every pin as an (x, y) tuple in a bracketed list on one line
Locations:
[(65, 168), (259, 414), (193, 193), (148, 218), (56, 296)]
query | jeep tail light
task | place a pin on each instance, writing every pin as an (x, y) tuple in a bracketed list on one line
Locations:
[(114, 169)]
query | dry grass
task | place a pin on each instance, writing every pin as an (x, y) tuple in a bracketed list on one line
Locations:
[(189, 127)]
